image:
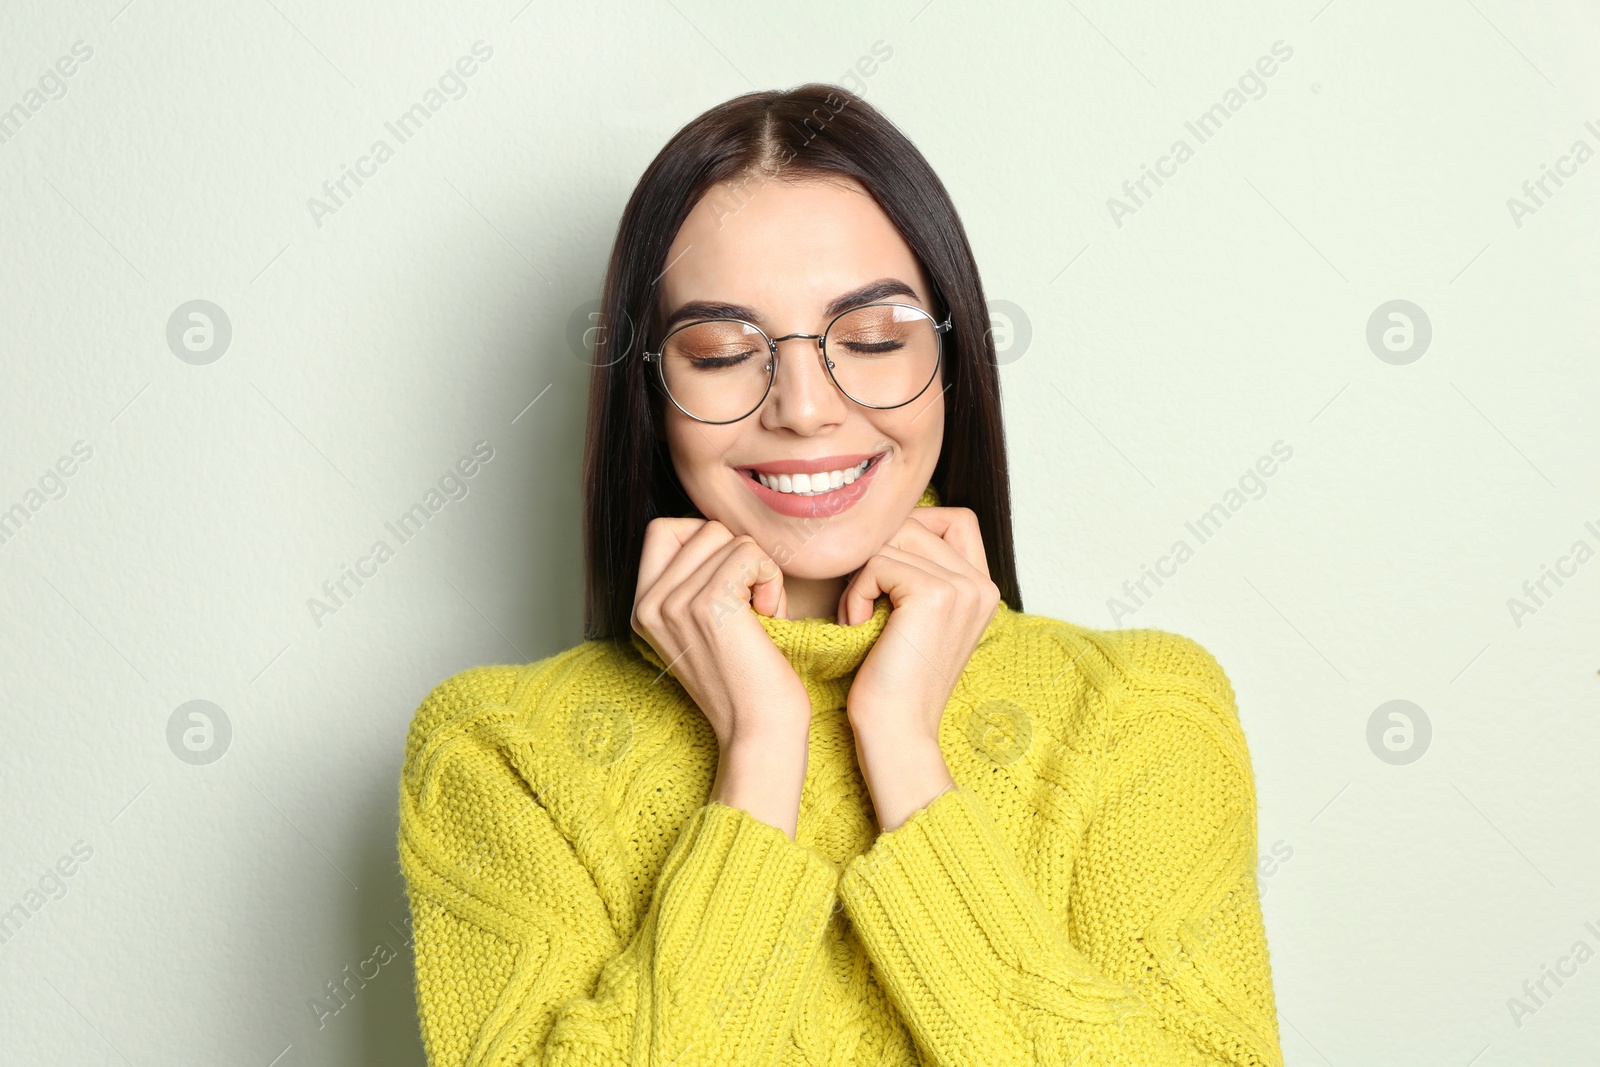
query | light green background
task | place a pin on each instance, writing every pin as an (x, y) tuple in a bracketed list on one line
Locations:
[(371, 351)]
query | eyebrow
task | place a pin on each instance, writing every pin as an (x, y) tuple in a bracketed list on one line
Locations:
[(881, 289)]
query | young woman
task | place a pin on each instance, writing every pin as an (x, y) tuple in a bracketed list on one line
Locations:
[(816, 790)]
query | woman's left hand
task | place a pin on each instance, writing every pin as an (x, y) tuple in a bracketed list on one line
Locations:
[(942, 600)]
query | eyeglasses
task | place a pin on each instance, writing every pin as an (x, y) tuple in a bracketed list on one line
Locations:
[(881, 355)]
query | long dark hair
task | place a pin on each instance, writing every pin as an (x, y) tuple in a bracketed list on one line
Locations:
[(809, 131)]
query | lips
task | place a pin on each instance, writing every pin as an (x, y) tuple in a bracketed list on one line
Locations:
[(822, 505), (811, 466)]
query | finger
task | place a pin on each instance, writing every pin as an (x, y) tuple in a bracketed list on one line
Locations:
[(891, 571), (964, 581), (681, 553), (871, 579), (663, 538), (765, 592), (929, 568), (736, 574), (920, 540), (959, 527)]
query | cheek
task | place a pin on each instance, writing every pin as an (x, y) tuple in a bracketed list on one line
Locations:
[(922, 431), (698, 454)]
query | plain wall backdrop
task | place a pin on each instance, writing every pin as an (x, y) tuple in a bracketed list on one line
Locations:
[(1370, 269)]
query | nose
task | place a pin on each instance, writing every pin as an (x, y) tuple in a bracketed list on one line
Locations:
[(804, 396)]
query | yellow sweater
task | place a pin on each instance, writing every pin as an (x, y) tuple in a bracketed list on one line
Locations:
[(1085, 895)]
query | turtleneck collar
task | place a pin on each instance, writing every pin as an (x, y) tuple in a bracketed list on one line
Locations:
[(821, 649)]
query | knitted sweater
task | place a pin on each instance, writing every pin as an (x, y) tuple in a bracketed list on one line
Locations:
[(1085, 895)]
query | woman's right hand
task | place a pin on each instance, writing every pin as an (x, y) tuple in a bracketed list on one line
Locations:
[(697, 584)]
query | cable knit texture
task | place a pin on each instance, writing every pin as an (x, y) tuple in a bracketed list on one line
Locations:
[(1085, 895)]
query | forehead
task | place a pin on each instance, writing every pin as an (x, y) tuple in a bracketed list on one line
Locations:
[(784, 245)]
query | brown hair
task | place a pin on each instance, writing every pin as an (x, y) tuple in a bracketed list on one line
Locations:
[(814, 130)]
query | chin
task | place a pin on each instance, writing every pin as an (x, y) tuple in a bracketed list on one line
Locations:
[(808, 564)]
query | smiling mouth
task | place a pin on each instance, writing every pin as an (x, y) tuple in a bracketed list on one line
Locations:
[(820, 483)]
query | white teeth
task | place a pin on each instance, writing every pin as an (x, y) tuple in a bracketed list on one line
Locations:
[(813, 484)]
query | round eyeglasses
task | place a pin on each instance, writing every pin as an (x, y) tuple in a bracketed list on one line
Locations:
[(882, 355)]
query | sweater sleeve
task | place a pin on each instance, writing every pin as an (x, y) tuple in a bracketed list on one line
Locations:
[(1173, 965), (517, 960)]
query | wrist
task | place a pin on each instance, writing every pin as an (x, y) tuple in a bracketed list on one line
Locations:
[(763, 775), (903, 776), (883, 736)]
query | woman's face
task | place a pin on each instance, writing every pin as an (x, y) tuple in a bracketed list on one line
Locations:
[(785, 251)]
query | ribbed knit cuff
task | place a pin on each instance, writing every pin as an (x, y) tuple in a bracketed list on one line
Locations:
[(743, 911), (944, 909)]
